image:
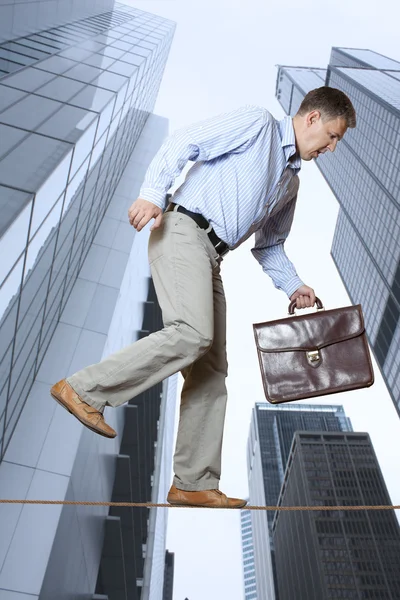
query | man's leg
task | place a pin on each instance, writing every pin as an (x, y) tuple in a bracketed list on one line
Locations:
[(181, 266), (197, 460)]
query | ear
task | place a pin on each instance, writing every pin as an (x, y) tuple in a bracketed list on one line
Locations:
[(312, 117)]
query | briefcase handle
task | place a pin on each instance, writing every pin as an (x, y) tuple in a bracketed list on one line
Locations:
[(292, 305)]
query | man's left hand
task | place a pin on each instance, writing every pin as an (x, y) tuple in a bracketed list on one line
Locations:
[(304, 296)]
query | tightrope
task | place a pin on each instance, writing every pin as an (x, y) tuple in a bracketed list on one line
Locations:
[(154, 505)]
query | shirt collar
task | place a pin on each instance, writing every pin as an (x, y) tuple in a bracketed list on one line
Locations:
[(289, 142)]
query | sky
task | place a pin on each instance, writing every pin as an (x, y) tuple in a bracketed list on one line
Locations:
[(224, 55)]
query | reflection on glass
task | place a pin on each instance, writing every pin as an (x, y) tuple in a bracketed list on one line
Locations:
[(49, 41), (56, 65), (39, 154), (110, 81), (9, 56), (98, 150), (52, 189), (61, 88), (10, 287), (76, 53), (68, 123), (121, 97), (14, 240), (29, 79), (373, 59), (377, 82), (9, 96), (83, 147), (29, 112), (93, 98), (10, 137), (111, 52), (97, 60), (32, 53), (38, 241), (84, 73), (16, 401), (75, 183)]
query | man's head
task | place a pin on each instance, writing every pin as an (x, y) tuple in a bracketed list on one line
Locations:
[(321, 121)]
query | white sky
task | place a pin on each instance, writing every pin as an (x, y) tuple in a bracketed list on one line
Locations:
[(224, 55)]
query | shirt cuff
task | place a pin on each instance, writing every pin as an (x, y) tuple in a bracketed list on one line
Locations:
[(156, 197), (292, 285)]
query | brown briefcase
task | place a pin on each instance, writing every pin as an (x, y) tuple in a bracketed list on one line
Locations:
[(302, 356)]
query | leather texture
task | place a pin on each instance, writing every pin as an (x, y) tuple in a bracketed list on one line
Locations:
[(206, 498), (315, 354), (89, 416)]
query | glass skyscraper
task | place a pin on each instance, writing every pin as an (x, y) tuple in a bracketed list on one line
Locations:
[(335, 554), (78, 83), (364, 175), (268, 450), (249, 571)]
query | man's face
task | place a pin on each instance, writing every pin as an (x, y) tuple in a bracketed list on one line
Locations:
[(317, 136)]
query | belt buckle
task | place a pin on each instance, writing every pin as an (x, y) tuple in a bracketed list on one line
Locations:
[(223, 252)]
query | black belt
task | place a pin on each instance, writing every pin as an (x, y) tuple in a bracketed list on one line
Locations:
[(220, 246)]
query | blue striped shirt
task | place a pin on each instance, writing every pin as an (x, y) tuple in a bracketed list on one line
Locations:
[(244, 181)]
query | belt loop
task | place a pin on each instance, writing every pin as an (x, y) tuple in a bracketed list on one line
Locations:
[(175, 209)]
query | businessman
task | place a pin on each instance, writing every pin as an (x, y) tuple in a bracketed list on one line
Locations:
[(244, 180)]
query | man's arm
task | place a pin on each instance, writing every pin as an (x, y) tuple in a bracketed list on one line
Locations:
[(202, 141), (229, 132), (270, 253)]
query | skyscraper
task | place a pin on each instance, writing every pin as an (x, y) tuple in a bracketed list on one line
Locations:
[(249, 571), (335, 554), (364, 175), (268, 448), (78, 83), (169, 576)]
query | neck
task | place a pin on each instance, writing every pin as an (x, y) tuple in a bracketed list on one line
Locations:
[(296, 120)]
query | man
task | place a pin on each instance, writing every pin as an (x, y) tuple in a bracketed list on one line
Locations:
[(244, 180)]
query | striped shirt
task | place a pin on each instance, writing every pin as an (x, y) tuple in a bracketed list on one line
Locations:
[(244, 181)]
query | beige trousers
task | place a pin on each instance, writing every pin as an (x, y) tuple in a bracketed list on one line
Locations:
[(186, 276)]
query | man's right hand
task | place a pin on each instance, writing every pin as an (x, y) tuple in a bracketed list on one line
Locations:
[(142, 211)]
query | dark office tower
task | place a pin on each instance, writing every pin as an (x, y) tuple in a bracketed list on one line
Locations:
[(78, 83), (268, 449), (169, 576), (364, 175), (336, 554)]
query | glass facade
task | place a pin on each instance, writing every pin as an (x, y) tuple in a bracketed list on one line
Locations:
[(364, 175), (68, 124), (335, 554), (249, 570), (31, 17), (271, 435), (77, 134)]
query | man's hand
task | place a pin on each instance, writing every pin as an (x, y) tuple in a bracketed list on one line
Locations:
[(141, 212), (304, 296)]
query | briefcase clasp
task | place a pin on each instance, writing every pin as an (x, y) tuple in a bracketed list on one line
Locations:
[(313, 355)]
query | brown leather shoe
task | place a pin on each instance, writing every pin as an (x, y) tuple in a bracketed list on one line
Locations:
[(208, 498), (87, 415)]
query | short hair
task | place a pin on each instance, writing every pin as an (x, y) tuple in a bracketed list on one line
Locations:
[(332, 104)]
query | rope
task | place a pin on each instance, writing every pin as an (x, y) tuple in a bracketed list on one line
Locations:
[(153, 505)]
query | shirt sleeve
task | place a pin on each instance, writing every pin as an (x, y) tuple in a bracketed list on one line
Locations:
[(270, 253), (229, 132)]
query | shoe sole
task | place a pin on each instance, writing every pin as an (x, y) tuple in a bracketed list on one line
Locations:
[(61, 403), (203, 505)]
